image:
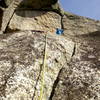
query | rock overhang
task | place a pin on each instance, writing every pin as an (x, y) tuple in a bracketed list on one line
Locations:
[(35, 4)]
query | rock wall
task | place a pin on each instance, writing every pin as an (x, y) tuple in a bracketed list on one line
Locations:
[(21, 58), (35, 20), (72, 63), (80, 78)]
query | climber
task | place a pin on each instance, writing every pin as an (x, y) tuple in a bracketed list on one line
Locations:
[(59, 31)]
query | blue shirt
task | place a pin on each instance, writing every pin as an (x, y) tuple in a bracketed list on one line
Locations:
[(59, 31)]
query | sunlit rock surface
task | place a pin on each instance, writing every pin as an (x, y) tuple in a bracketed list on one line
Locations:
[(35, 20), (21, 58)]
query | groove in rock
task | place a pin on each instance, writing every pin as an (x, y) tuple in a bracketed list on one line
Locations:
[(74, 50), (55, 85)]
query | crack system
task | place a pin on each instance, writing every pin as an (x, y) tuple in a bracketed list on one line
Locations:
[(74, 51), (55, 85), (62, 26)]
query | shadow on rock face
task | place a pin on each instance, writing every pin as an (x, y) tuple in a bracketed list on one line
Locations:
[(2, 3), (92, 36), (1, 13), (25, 15), (38, 4), (35, 4)]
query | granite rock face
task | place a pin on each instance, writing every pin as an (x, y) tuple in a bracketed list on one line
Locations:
[(21, 58), (80, 78), (35, 20), (72, 63), (76, 25)]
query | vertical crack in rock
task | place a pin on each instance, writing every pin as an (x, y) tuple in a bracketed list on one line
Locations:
[(34, 94), (62, 26), (38, 78), (55, 85), (74, 50)]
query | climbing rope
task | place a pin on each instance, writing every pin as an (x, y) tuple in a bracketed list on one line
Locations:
[(59, 32), (43, 71)]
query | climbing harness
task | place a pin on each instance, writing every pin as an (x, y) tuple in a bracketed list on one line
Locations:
[(43, 71)]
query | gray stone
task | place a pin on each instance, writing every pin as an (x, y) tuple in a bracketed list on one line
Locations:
[(21, 58), (75, 25), (73, 58), (35, 20), (80, 78)]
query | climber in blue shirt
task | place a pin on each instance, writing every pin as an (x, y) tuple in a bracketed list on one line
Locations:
[(59, 31)]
